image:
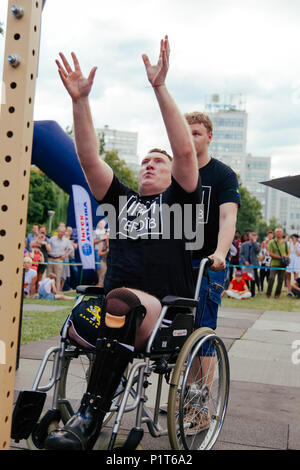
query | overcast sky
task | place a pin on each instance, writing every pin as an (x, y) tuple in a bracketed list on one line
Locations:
[(220, 46)]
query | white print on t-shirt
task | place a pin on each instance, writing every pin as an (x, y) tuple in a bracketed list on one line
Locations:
[(154, 219), (206, 194), (137, 219)]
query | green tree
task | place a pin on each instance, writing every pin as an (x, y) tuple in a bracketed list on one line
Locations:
[(262, 229), (274, 223), (42, 198), (1, 28), (121, 170), (249, 214), (45, 195)]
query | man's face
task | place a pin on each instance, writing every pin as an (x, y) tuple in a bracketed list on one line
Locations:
[(35, 229), (155, 174), (278, 233), (202, 138), (27, 265), (60, 232)]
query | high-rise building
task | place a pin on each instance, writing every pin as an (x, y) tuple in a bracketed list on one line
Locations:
[(124, 142), (229, 144), (285, 208)]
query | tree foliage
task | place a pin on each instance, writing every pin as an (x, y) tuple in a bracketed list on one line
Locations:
[(249, 214), (41, 197), (120, 169), (45, 195)]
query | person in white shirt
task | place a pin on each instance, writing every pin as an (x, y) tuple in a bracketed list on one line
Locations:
[(60, 249), (47, 289), (294, 266)]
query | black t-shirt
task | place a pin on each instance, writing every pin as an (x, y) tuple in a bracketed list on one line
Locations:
[(219, 185), (141, 254)]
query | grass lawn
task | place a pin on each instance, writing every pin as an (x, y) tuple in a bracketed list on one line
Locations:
[(42, 325), (261, 302), (37, 325)]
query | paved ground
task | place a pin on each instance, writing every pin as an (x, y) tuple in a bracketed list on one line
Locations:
[(264, 404)]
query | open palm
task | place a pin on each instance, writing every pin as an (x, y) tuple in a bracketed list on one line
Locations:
[(157, 73), (76, 84)]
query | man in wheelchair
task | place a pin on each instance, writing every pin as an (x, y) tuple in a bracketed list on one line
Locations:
[(144, 265)]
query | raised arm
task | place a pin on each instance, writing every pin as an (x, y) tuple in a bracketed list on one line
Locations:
[(184, 167), (99, 175)]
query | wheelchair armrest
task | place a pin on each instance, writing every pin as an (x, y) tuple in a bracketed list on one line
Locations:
[(90, 290), (174, 301)]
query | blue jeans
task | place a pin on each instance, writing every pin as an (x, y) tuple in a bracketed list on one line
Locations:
[(44, 295), (210, 298)]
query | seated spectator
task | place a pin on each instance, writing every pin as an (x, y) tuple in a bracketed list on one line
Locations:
[(296, 287), (47, 289), (238, 288), (29, 277)]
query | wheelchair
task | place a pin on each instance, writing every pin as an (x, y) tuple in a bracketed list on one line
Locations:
[(193, 364)]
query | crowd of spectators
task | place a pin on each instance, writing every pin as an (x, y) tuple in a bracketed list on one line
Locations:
[(50, 266), (259, 265), (253, 266)]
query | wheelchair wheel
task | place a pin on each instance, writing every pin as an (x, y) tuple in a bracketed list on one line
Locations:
[(73, 383), (198, 393)]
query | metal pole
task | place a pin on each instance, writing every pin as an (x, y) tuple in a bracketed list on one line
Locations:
[(16, 131)]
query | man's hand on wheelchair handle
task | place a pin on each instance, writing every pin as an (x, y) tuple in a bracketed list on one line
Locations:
[(219, 262)]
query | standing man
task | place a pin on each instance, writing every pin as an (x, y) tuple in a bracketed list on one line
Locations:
[(31, 236), (249, 257), (221, 199), (277, 247), (59, 250), (235, 259)]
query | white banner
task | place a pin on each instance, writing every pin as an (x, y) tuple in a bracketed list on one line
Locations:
[(84, 226)]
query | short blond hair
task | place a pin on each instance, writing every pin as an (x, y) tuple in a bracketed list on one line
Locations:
[(199, 118)]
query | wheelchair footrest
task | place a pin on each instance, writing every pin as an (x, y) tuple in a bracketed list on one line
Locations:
[(134, 438), (26, 413)]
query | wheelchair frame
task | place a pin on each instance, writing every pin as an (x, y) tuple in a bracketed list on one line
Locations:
[(138, 376)]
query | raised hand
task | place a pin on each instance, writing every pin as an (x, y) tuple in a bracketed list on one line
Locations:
[(157, 73), (75, 83)]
